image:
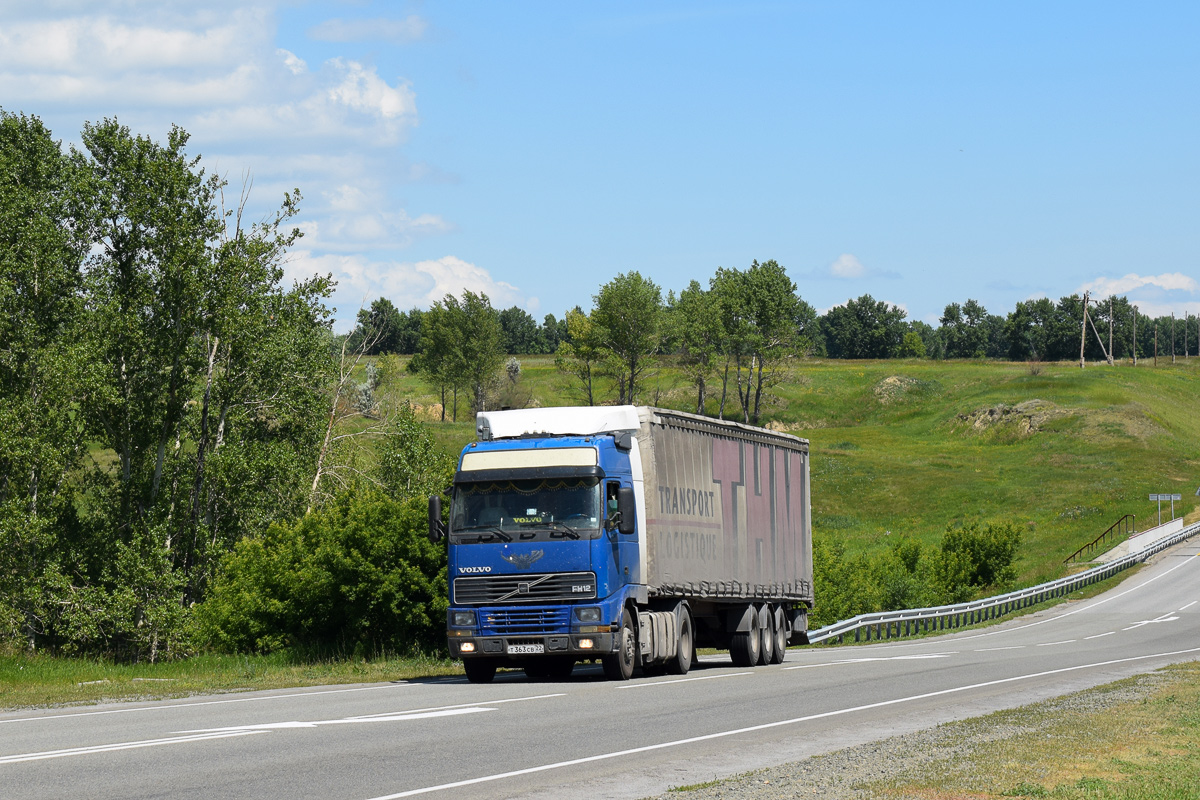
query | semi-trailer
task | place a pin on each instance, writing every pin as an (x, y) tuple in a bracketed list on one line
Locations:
[(628, 535)]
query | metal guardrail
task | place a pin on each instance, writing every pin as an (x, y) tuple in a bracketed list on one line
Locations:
[(911, 622)]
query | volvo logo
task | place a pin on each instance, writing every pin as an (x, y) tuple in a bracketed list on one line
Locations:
[(523, 560), (468, 570)]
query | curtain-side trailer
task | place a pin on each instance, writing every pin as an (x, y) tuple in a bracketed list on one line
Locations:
[(628, 535)]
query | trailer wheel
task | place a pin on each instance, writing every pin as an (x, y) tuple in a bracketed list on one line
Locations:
[(746, 646), (686, 649), (766, 654), (618, 666), (781, 636), (479, 670)]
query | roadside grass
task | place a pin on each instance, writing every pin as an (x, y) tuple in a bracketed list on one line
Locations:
[(1144, 746), (40, 680)]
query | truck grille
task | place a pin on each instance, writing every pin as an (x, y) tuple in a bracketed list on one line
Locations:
[(525, 588), (526, 621)]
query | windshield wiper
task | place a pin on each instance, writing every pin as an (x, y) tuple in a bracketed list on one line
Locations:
[(562, 530), (491, 530)]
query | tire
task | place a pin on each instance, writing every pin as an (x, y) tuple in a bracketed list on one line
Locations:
[(686, 649), (766, 653), (746, 646), (618, 666), (479, 670), (781, 637)]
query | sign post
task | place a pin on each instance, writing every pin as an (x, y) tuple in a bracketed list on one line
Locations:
[(1172, 498)]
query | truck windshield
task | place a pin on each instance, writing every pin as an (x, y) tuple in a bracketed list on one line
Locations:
[(526, 509)]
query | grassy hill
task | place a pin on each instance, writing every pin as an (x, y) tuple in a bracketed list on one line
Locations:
[(909, 447)]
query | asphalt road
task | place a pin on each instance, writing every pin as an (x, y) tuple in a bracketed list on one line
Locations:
[(586, 737)]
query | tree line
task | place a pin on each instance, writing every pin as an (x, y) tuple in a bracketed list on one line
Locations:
[(736, 337)]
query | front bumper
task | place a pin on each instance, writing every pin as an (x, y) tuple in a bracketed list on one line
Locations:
[(557, 644)]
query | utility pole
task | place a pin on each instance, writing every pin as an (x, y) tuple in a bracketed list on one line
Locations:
[(1172, 337), (1156, 343), (1083, 331), (1135, 336), (1110, 329)]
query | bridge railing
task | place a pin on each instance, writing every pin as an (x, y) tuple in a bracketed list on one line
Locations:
[(916, 621)]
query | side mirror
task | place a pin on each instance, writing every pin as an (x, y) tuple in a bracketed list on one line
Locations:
[(437, 531), (626, 523)]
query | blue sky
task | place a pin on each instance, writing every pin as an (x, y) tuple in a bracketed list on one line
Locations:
[(922, 152)]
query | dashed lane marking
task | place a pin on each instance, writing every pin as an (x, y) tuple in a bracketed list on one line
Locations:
[(685, 680), (108, 748)]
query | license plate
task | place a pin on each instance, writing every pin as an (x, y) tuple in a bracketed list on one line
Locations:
[(526, 649)]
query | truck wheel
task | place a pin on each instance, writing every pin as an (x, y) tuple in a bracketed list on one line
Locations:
[(781, 636), (682, 662), (618, 666), (479, 670), (766, 654), (746, 646)]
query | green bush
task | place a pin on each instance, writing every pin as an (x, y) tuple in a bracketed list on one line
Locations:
[(357, 576), (970, 560)]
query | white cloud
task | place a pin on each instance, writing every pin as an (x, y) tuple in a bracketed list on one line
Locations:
[(847, 266), (406, 284), (1168, 281), (363, 90), (295, 64), (397, 31)]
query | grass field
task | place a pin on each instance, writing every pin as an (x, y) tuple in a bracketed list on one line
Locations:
[(893, 454)]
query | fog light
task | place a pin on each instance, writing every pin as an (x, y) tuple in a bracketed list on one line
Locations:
[(586, 644), (466, 647)]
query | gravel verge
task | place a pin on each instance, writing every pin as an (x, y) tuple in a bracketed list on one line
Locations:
[(851, 773)]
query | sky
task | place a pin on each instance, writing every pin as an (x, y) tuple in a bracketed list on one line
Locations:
[(920, 152)]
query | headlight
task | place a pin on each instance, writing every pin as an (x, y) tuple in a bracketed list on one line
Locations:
[(462, 619), (587, 614)]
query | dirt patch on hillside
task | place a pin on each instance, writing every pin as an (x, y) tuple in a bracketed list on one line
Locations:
[(1033, 416), (1024, 419), (893, 388), (793, 427)]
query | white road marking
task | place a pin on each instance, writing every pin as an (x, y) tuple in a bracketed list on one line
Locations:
[(769, 725), (205, 703), (1189, 605), (1168, 617), (398, 717), (387, 716), (685, 680), (1051, 644), (994, 649), (913, 657), (1099, 635), (108, 748)]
